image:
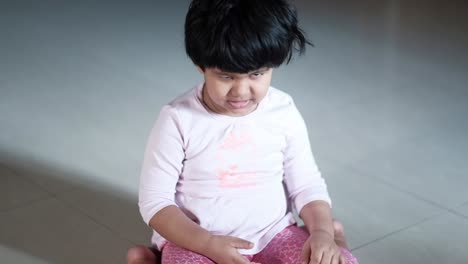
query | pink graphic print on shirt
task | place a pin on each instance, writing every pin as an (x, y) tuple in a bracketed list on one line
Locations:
[(232, 175)]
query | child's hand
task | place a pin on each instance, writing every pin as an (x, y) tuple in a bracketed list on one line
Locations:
[(321, 248), (223, 249)]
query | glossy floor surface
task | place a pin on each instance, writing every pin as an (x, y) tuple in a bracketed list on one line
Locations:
[(384, 93)]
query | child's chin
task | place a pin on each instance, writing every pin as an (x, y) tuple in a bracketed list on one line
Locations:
[(241, 112)]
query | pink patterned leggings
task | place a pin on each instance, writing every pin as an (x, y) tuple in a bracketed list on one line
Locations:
[(285, 248)]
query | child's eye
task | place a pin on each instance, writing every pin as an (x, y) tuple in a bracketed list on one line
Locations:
[(256, 74), (225, 77)]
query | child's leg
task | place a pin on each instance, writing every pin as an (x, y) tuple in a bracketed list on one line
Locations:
[(340, 238), (286, 248), (173, 254), (141, 255)]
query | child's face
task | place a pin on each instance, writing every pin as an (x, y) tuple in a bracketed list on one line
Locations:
[(235, 94)]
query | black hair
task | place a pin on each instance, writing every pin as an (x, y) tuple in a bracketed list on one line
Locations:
[(242, 35)]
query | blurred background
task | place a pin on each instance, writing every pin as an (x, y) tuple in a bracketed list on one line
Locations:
[(384, 93)]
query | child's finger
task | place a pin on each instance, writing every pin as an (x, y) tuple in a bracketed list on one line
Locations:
[(326, 257), (305, 255), (241, 243), (342, 259), (316, 257), (335, 259)]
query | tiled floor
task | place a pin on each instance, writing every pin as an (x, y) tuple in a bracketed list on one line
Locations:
[(384, 94)]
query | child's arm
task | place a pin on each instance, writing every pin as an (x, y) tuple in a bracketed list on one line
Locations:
[(317, 216), (321, 246), (176, 227), (308, 193)]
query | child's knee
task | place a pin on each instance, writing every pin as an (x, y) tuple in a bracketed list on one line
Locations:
[(338, 228), (140, 254)]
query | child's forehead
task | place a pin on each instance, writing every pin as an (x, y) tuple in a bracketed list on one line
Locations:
[(221, 71)]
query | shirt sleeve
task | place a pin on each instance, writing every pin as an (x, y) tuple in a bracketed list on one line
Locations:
[(162, 165), (302, 177)]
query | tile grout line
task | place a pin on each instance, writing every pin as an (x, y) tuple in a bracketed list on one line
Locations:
[(399, 230), (407, 137), (26, 179), (63, 202), (78, 210), (399, 189), (463, 204), (458, 214), (444, 209), (16, 173), (453, 212), (26, 204)]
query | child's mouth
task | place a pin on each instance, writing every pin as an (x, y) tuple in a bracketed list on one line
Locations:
[(238, 104)]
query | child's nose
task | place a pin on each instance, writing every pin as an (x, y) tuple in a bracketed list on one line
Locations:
[(241, 89)]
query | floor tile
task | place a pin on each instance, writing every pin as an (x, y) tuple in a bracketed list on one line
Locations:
[(11, 255), (17, 191), (350, 133), (442, 239), (463, 209), (118, 212), (370, 209), (50, 231), (430, 166), (49, 180), (44, 174)]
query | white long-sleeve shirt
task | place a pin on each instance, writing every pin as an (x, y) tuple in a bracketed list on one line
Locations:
[(237, 176)]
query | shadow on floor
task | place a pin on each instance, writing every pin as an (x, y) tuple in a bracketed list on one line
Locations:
[(111, 217)]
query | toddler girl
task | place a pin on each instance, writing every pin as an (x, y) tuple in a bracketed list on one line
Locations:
[(228, 161)]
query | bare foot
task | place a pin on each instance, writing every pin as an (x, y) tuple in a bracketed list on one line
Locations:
[(140, 255), (340, 238)]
